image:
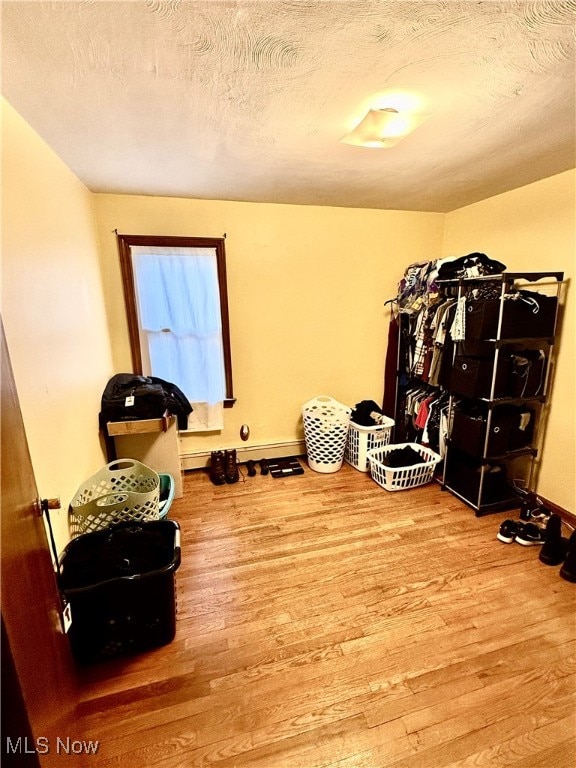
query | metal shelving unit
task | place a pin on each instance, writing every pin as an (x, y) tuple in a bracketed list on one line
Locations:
[(478, 480)]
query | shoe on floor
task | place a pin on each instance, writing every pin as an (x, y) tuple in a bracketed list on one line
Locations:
[(568, 570), (231, 466), (251, 467), (540, 514), (532, 508), (555, 545), (508, 531), (216, 471), (530, 535), (264, 468)]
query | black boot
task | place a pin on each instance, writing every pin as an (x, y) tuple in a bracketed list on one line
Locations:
[(555, 545), (251, 467), (217, 471), (568, 570), (231, 467)]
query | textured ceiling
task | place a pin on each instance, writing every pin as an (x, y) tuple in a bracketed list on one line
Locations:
[(247, 99)]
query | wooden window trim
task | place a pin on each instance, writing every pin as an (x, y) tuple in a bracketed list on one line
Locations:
[(125, 243)]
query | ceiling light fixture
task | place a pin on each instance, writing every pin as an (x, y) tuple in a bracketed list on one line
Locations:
[(382, 128)]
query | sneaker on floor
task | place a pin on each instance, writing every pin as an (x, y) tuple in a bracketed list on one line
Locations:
[(508, 531), (533, 509), (540, 515), (530, 535)]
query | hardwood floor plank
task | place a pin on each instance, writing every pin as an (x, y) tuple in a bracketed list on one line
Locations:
[(545, 746), (385, 711), (489, 665), (444, 751), (325, 623)]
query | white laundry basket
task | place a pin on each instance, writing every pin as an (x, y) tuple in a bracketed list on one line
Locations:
[(363, 439), (326, 424), (403, 478)]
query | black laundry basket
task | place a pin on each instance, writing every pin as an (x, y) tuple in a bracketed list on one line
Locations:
[(120, 584)]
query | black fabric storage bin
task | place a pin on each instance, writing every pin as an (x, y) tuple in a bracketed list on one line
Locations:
[(508, 431), (472, 377), (463, 475), (120, 583), (469, 432), (530, 318)]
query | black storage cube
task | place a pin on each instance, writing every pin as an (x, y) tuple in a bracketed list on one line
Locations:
[(469, 431), (472, 376), (463, 475), (530, 317), (511, 427), (120, 583)]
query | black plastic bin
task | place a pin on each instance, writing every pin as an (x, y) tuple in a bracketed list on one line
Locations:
[(120, 583)]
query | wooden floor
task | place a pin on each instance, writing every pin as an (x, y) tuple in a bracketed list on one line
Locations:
[(323, 621)]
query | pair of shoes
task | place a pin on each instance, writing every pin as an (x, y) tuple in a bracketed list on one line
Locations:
[(527, 534), (251, 465), (223, 467), (557, 549)]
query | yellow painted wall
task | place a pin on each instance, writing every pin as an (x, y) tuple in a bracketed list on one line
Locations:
[(306, 289), (53, 311), (534, 228)]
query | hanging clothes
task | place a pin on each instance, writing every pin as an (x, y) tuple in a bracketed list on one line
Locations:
[(427, 321)]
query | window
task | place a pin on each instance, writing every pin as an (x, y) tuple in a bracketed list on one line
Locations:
[(177, 309)]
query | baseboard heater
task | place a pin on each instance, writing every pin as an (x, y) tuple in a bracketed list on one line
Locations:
[(201, 459)]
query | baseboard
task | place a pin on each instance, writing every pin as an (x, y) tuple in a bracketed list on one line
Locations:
[(201, 459)]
